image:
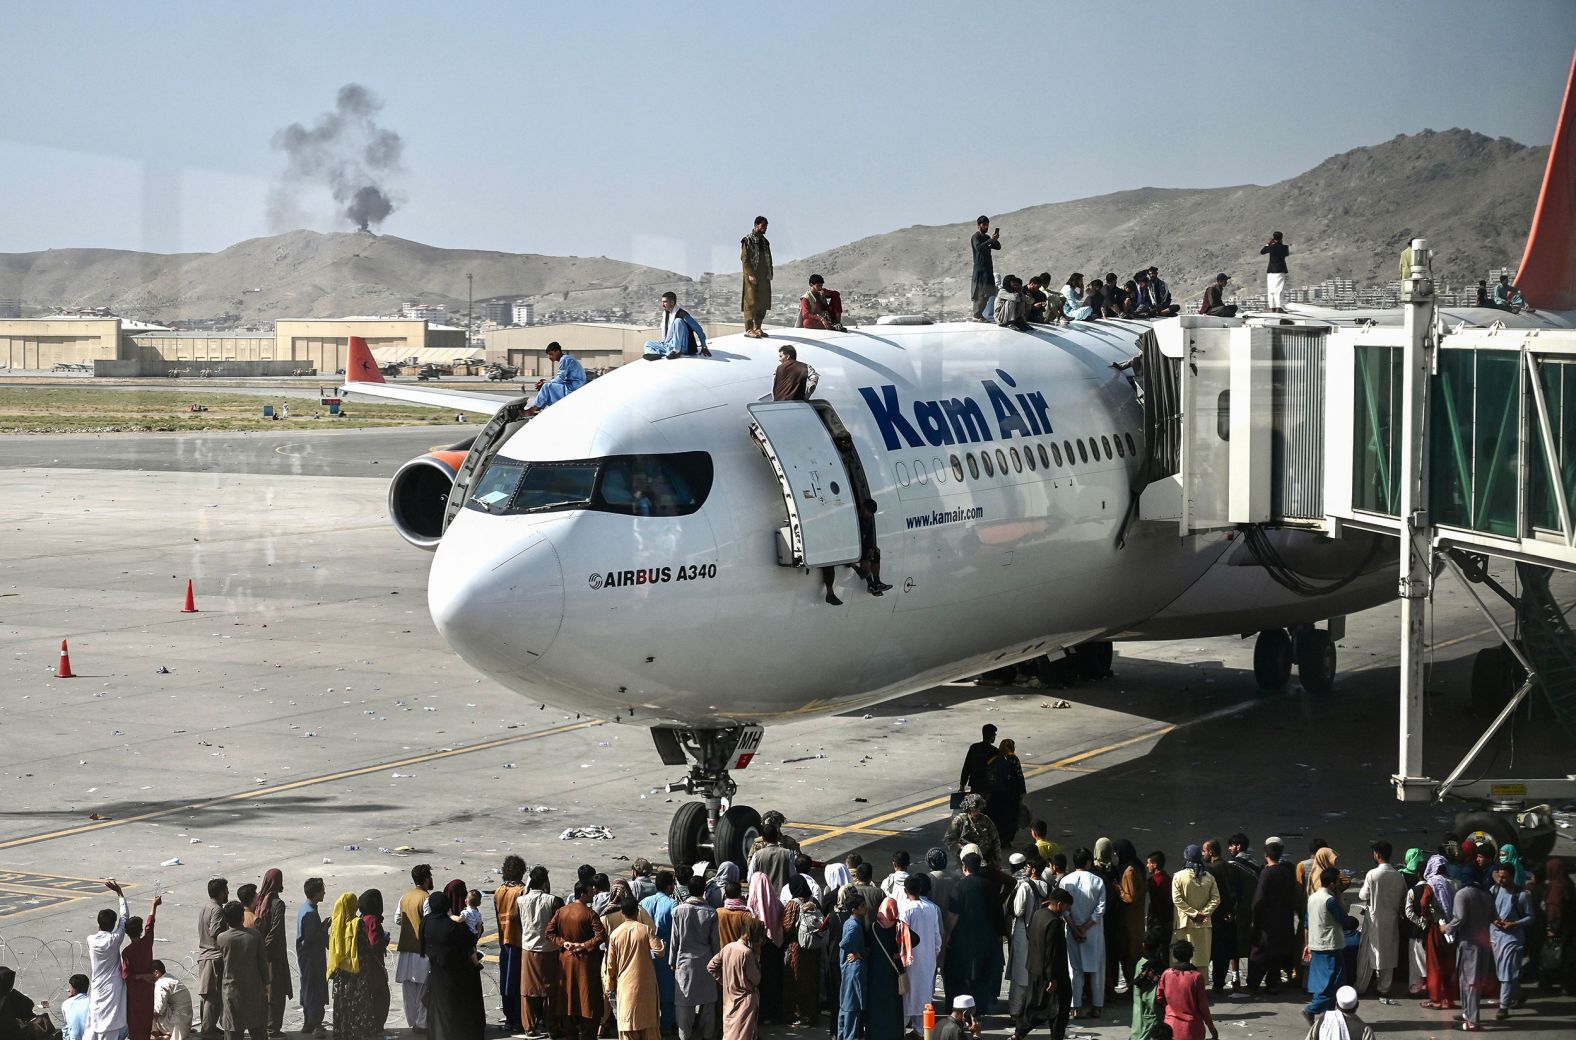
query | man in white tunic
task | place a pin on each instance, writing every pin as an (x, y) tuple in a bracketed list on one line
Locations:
[(1086, 932), (1027, 895), (1384, 892), (106, 989), (923, 918)]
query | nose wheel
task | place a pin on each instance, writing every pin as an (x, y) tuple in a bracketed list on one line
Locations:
[(713, 829)]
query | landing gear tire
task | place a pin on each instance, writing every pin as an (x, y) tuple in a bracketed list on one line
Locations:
[(1316, 661), (688, 836), (1497, 827), (735, 833), (1272, 660), (1094, 660), (1495, 676)]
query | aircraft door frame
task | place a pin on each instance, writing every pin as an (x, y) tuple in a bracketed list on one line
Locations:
[(820, 492)]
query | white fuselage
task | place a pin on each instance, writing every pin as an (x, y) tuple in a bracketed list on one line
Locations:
[(690, 620)]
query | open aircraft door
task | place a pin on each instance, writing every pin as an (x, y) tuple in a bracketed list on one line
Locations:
[(822, 500)]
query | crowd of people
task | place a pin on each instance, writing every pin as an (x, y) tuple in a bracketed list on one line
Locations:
[(707, 952)]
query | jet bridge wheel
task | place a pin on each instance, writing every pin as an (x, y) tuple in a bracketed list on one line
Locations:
[(688, 836), (1316, 661), (735, 833), (1272, 660)]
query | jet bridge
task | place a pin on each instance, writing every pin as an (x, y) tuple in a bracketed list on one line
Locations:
[(1460, 442)]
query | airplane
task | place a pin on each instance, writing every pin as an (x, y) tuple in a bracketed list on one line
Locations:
[(651, 549)]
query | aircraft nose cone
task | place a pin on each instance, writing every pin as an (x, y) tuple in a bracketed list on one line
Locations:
[(498, 601)]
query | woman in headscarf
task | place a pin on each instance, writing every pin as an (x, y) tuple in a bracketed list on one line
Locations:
[(886, 974), (1512, 859), (268, 911), (1437, 906), (1125, 929), (16, 1008), (373, 942), (1006, 791), (832, 962), (1557, 963), (727, 872), (1115, 913), (1416, 923), (1195, 896), (454, 981), (352, 1006), (801, 964), (766, 907), (1325, 857)]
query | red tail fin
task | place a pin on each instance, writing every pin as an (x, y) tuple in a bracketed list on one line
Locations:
[(360, 367), (1547, 276)]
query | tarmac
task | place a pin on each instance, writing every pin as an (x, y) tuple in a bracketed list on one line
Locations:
[(309, 717)]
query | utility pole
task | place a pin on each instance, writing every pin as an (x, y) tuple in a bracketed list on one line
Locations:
[(470, 296)]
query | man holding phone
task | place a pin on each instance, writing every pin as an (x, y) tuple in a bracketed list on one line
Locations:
[(983, 287)]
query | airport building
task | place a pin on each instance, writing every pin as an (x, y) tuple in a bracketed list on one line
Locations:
[(121, 347), (598, 345)]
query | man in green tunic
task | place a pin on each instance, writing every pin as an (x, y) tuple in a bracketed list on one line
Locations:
[(755, 254)]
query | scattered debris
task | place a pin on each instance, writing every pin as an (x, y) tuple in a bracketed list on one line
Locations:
[(596, 832), (161, 670), (538, 808), (1055, 704), (174, 861)]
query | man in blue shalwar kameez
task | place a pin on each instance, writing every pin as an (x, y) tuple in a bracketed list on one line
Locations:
[(571, 376), (851, 951), (660, 906), (1512, 913), (681, 334)]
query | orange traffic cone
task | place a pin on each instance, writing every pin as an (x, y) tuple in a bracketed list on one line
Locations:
[(191, 602), (64, 671)]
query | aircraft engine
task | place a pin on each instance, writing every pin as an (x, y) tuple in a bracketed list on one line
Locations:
[(419, 493)]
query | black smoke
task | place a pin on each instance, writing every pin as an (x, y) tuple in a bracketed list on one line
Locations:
[(345, 151)]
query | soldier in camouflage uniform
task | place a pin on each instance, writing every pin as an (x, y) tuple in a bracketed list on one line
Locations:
[(972, 827)]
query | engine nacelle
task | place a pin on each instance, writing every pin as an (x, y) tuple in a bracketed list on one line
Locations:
[(419, 493)]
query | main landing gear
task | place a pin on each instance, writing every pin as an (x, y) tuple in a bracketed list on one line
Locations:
[(712, 829), (1311, 649)]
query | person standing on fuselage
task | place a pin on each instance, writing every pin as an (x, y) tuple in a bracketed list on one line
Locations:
[(1275, 276), (755, 254), (982, 285)]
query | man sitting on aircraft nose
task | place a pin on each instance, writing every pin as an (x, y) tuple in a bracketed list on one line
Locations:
[(681, 333), (820, 307), (569, 377), (1010, 310)]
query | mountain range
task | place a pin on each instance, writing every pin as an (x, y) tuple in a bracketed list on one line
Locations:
[(1349, 217)]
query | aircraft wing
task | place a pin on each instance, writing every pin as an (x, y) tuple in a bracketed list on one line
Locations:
[(455, 400)]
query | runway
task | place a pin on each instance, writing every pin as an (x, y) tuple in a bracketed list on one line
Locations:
[(311, 718)]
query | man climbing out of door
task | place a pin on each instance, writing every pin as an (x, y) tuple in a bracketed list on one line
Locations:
[(869, 565)]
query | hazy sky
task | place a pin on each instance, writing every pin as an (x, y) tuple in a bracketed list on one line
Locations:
[(654, 132)]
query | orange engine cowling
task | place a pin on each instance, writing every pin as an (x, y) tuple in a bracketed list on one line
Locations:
[(419, 494)]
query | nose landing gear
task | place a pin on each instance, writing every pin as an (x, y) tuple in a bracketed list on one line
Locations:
[(712, 829)]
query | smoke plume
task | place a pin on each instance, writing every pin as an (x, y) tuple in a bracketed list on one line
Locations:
[(345, 151)]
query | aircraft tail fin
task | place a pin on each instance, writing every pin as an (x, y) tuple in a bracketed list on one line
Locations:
[(1547, 275), (360, 366)]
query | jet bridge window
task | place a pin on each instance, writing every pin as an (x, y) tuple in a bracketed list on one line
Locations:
[(635, 485)]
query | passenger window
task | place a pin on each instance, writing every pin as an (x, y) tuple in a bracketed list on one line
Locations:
[(1017, 462), (990, 470), (919, 472), (1045, 459), (940, 470), (1067, 449), (1028, 458), (974, 468), (1119, 452), (957, 469), (1131, 447), (1001, 461), (902, 474), (1056, 453), (1083, 455), (1105, 444)]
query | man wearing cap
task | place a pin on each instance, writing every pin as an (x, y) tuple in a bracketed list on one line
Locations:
[(1214, 303), (961, 1024), (773, 818), (1027, 894), (1342, 1019), (983, 286), (1049, 995)]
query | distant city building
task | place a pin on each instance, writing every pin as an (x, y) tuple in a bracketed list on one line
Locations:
[(415, 310), (498, 312), (524, 314)]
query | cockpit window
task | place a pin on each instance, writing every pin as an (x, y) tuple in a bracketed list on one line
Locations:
[(634, 485)]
